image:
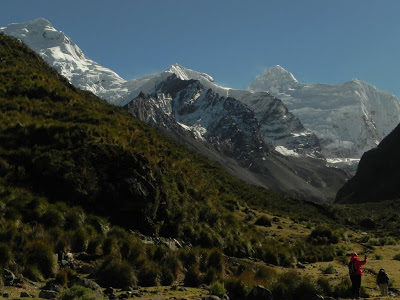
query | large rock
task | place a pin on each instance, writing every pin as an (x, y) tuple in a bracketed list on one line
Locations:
[(87, 283), (9, 277), (378, 174)]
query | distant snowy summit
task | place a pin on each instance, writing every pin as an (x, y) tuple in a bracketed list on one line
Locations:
[(348, 118), (59, 51)]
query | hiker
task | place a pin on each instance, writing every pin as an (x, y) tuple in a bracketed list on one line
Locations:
[(382, 279), (355, 272)]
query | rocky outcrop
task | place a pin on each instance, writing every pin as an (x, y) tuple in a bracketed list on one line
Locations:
[(378, 174)]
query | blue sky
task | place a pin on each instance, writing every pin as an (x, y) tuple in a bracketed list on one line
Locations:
[(328, 41)]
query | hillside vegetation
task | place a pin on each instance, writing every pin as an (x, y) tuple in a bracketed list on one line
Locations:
[(77, 175)]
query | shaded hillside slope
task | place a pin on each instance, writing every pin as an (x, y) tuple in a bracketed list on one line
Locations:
[(378, 174), (68, 145)]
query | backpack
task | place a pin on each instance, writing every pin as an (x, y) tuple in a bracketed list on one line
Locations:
[(352, 268), (383, 277)]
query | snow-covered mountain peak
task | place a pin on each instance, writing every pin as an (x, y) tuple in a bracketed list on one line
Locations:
[(187, 74), (274, 79), (348, 118), (59, 51)]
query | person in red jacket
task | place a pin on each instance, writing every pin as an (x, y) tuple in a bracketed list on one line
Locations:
[(356, 271)]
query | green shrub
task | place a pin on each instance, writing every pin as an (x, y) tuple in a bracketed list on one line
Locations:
[(74, 219), (323, 236), (211, 276), (53, 217), (79, 240), (148, 274), (217, 289), (40, 254), (378, 256), (117, 274), (396, 257), (193, 277), (263, 221), (79, 293)]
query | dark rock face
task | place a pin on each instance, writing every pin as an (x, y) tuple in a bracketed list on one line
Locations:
[(378, 174)]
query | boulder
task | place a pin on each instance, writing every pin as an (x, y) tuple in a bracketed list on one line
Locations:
[(260, 293), (87, 283), (9, 277)]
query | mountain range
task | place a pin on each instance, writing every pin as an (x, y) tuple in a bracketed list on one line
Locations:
[(348, 118), (271, 135)]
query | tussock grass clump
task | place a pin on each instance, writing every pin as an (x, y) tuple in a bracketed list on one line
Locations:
[(263, 221), (117, 274), (323, 235), (148, 274), (217, 289), (39, 254), (79, 292), (193, 277)]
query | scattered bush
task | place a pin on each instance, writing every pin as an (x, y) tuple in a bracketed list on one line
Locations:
[(217, 289), (79, 292), (378, 256), (323, 236), (193, 277), (396, 257), (148, 274), (79, 240), (211, 276), (167, 277), (41, 255), (117, 274)]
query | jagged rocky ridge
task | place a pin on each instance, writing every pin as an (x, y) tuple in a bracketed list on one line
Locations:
[(348, 118), (227, 131), (263, 125), (378, 174)]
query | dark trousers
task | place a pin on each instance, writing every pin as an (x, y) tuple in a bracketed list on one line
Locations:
[(356, 284)]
